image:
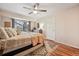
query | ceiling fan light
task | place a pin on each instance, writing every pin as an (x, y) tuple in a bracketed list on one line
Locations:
[(35, 12)]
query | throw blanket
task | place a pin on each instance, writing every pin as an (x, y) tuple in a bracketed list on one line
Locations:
[(39, 38)]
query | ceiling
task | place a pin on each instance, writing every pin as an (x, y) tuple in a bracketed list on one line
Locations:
[(50, 7)]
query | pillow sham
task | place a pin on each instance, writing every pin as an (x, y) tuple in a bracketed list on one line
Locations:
[(14, 32), (3, 34), (9, 32)]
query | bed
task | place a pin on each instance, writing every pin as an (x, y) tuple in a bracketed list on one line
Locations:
[(19, 41)]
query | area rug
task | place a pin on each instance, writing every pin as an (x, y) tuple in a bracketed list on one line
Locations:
[(39, 52), (43, 51)]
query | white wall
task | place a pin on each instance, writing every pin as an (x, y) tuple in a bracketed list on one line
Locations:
[(67, 26), (49, 26), (66, 23), (0, 21)]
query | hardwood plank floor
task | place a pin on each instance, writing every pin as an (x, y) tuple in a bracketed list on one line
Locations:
[(63, 50)]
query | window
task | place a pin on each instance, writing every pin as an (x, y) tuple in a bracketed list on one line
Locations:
[(21, 24)]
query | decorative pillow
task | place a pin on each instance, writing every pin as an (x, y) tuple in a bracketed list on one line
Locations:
[(9, 32), (18, 31), (3, 34), (14, 32)]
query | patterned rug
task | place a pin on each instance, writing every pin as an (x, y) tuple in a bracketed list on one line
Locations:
[(39, 52), (42, 51)]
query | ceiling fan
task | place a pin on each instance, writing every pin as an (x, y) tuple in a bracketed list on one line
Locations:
[(35, 9)]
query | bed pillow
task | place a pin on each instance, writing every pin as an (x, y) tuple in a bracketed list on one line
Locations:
[(18, 31), (14, 31), (3, 34), (9, 32)]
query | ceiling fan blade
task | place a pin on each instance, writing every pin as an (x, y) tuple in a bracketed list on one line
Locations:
[(36, 6), (27, 8), (42, 10), (30, 12)]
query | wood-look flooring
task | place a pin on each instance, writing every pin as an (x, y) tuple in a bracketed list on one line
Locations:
[(63, 50)]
